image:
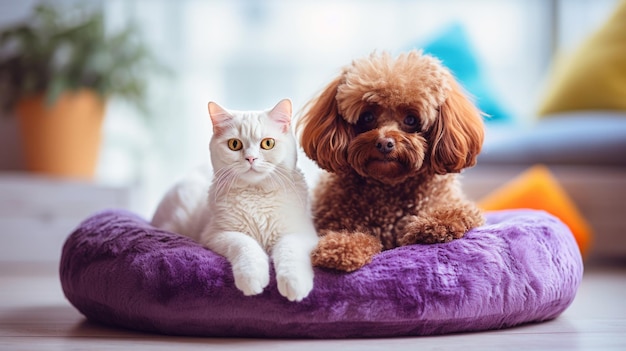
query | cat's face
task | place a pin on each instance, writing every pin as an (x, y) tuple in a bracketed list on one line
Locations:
[(249, 146)]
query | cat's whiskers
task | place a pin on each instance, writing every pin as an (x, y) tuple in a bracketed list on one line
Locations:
[(283, 176), (224, 179), (273, 182)]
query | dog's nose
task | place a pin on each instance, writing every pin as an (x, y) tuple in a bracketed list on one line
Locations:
[(385, 145)]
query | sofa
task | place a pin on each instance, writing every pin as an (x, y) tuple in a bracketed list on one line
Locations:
[(586, 153)]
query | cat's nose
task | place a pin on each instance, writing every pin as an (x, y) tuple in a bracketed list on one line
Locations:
[(251, 159)]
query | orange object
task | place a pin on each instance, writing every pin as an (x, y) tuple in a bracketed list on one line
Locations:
[(537, 189), (62, 139)]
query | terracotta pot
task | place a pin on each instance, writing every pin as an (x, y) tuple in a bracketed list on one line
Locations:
[(62, 139)]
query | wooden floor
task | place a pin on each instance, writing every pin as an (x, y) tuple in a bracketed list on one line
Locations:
[(34, 315)]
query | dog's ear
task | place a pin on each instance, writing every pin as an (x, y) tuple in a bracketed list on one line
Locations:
[(324, 134), (456, 137)]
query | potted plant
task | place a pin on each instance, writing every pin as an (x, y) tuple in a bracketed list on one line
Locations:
[(57, 71)]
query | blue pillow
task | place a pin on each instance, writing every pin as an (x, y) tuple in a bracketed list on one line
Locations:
[(452, 46)]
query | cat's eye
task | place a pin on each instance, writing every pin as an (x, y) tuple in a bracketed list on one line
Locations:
[(268, 143), (235, 144)]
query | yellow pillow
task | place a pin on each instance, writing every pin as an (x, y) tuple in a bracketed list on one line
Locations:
[(594, 78)]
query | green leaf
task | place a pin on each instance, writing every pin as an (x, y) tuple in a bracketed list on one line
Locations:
[(61, 48), (58, 85)]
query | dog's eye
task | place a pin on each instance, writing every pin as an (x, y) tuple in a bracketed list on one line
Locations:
[(411, 122), (366, 118), (366, 121)]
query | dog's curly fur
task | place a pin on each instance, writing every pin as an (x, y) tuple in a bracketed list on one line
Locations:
[(392, 133)]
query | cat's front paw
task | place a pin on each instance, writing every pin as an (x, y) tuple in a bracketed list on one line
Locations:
[(252, 278), (295, 284)]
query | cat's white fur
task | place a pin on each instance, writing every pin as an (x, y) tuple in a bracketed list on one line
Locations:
[(252, 206)]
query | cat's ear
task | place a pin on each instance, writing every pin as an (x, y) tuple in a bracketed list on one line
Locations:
[(219, 117), (281, 114)]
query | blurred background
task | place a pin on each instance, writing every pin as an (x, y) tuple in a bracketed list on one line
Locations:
[(249, 54)]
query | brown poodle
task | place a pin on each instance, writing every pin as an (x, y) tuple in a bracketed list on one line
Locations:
[(392, 135)]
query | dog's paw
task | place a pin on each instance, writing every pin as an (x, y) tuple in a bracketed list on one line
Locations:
[(345, 251), (439, 226), (423, 231), (295, 284), (252, 277)]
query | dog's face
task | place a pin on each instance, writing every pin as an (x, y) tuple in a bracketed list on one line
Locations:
[(391, 119), (388, 144)]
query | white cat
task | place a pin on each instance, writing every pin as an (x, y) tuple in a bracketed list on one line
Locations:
[(256, 204)]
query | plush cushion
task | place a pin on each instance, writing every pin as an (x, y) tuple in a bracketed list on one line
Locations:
[(594, 76), (520, 267), (453, 47)]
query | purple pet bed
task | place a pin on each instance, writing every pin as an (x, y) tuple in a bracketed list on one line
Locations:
[(520, 267)]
